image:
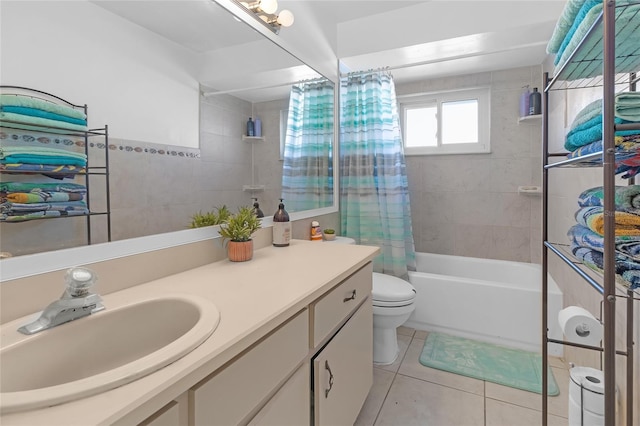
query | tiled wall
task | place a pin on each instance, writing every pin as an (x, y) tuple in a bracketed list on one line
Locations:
[(469, 205)]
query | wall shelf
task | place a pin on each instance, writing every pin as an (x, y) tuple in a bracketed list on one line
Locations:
[(252, 138), (531, 119)]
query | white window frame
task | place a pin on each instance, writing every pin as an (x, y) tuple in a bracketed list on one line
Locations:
[(482, 94)]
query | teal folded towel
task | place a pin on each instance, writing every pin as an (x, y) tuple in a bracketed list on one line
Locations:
[(591, 131), (39, 150), (39, 121), (587, 113), (42, 113), (626, 44), (584, 11), (627, 106), (565, 21), (31, 102)]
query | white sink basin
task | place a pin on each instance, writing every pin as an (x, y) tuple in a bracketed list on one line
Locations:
[(102, 351)]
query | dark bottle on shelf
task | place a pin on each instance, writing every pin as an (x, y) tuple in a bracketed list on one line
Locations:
[(535, 102), (281, 227), (256, 209), (250, 127)]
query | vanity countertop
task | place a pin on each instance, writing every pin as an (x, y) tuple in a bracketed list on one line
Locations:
[(252, 297)]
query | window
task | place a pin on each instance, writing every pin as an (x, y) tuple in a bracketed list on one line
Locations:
[(446, 123)]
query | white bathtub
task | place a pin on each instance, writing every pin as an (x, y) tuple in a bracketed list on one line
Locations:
[(495, 301)]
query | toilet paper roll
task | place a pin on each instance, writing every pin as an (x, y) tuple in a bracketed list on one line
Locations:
[(579, 326), (586, 397)]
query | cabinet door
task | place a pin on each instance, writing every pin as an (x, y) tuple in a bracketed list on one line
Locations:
[(343, 371), (169, 415), (229, 397), (291, 405)]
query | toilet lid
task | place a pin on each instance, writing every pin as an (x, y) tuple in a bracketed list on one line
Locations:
[(387, 288)]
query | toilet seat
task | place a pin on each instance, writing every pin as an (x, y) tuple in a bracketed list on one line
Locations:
[(390, 291)]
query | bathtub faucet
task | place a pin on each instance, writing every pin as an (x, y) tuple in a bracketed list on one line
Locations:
[(76, 302)]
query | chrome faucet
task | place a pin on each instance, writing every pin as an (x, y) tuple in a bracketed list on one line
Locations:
[(76, 302)]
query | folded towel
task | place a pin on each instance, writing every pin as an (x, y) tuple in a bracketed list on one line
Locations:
[(8, 187), (43, 159), (565, 21), (582, 236), (31, 102), (28, 216), (586, 10), (627, 271), (588, 61), (9, 207), (593, 218), (52, 170), (39, 121), (627, 106), (627, 153), (593, 109), (6, 150), (41, 197), (591, 131), (42, 113), (627, 198)]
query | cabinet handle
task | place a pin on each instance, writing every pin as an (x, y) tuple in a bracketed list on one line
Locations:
[(353, 296), (326, 391)]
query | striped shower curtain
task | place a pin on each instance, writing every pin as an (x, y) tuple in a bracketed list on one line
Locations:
[(307, 175), (374, 194)]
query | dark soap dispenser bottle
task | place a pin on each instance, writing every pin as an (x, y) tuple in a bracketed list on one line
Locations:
[(250, 128), (281, 227), (535, 102), (256, 209)]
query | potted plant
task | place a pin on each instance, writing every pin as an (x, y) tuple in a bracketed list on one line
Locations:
[(237, 229), (329, 234), (211, 218)]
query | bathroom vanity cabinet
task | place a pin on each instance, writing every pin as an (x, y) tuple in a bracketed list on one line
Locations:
[(295, 349), (324, 354)]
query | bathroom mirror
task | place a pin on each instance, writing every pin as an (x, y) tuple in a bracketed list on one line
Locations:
[(238, 73)]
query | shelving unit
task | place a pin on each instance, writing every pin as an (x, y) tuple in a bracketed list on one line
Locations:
[(594, 64), (56, 132)]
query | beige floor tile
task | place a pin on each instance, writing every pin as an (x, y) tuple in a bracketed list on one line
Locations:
[(416, 402), (557, 405), (381, 383), (557, 362), (500, 413), (421, 334), (403, 344), (411, 367), (405, 331)]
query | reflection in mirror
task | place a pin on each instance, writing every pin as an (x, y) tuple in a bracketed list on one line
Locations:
[(210, 62)]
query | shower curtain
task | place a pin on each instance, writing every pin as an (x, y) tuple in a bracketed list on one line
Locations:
[(374, 194), (307, 175)]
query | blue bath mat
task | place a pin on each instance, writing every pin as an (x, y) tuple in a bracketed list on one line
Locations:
[(485, 361)]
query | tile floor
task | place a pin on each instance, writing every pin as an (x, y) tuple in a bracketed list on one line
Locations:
[(408, 393)]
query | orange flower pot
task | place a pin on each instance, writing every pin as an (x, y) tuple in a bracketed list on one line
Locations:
[(240, 251)]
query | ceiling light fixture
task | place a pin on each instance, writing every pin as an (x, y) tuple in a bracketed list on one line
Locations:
[(266, 11)]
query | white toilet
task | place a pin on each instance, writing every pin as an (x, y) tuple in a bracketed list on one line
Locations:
[(393, 301)]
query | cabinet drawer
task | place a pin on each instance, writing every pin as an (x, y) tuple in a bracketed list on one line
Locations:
[(290, 406), (230, 395), (328, 312), (343, 371)]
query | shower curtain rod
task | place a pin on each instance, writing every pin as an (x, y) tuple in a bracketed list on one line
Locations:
[(244, 89), (446, 59)]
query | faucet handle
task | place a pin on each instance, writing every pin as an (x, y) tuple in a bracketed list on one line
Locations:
[(79, 280)]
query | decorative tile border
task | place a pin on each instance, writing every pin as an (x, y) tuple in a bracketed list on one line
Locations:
[(115, 144)]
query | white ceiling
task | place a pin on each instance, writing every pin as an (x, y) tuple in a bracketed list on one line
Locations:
[(415, 39)]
